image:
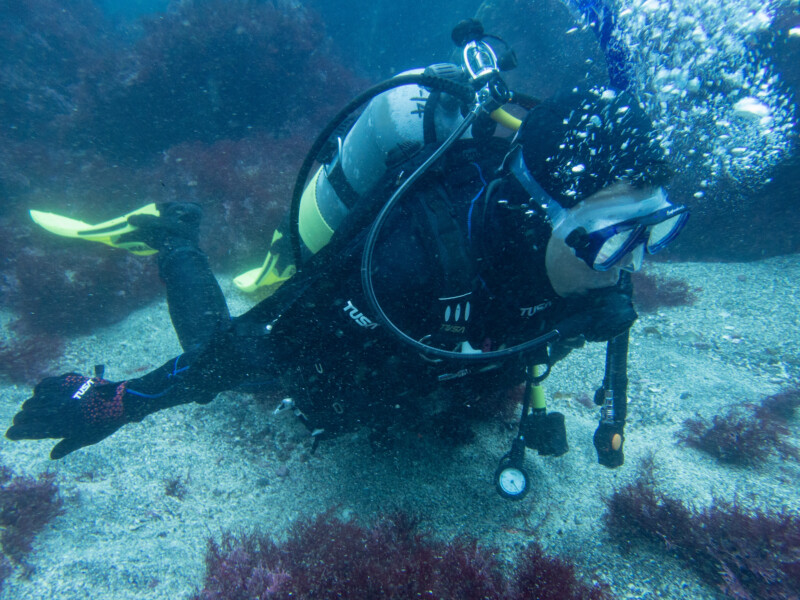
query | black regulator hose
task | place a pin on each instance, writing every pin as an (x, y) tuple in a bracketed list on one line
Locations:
[(524, 100), (460, 91)]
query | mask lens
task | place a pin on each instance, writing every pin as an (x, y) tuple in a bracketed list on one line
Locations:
[(613, 248), (634, 258), (663, 233)]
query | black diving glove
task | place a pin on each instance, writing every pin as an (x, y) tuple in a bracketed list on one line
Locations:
[(596, 319), (82, 410), (608, 441), (611, 313)]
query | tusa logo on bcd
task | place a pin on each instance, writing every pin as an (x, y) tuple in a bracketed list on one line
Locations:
[(529, 311), (358, 316)]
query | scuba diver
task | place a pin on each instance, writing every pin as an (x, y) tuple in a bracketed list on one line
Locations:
[(428, 251)]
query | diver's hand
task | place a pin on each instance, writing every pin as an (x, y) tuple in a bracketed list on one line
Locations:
[(598, 318), (82, 410), (612, 313), (608, 441)]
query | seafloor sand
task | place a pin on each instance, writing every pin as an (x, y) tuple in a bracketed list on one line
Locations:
[(121, 536)]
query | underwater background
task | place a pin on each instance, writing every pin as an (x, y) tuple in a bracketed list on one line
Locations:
[(107, 105)]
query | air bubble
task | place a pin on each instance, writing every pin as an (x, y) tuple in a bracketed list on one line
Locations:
[(751, 107), (707, 86)]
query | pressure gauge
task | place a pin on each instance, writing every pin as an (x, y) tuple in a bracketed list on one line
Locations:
[(511, 482)]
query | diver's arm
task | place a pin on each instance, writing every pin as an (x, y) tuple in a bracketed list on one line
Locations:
[(604, 315), (612, 397), (599, 316), (85, 410), (608, 312)]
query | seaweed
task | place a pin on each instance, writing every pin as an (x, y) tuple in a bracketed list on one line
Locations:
[(27, 505), (746, 434), (750, 554), (242, 65), (651, 292), (543, 577), (48, 48), (177, 487), (26, 358), (61, 288), (326, 557), (243, 185)]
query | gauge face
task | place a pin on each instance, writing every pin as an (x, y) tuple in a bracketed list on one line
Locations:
[(512, 482)]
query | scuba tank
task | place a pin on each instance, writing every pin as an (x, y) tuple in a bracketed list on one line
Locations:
[(390, 131), (397, 124)]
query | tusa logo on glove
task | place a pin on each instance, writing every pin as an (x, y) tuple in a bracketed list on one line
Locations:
[(83, 389)]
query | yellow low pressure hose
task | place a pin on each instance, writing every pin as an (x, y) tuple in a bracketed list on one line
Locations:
[(506, 119), (536, 392)]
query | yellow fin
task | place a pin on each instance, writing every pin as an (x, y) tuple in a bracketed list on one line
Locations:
[(265, 275), (107, 232)]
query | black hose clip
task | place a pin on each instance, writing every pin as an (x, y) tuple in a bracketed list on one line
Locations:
[(494, 94), (466, 31)]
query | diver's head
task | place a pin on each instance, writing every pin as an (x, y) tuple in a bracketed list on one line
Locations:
[(583, 141), (591, 161), (609, 231)]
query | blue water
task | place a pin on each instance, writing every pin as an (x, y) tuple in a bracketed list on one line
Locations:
[(134, 8)]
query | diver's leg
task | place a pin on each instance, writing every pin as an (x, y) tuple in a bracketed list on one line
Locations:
[(197, 306)]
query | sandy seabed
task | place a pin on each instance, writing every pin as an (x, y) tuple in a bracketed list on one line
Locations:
[(121, 535)]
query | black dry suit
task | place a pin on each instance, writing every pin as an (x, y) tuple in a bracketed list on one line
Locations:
[(459, 265)]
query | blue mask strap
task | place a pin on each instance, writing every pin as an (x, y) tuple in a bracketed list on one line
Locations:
[(541, 198)]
